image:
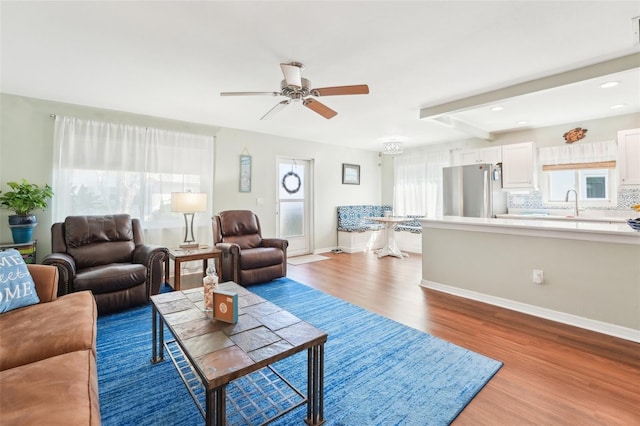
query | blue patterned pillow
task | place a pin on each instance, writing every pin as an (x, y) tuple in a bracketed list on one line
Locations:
[(17, 288)]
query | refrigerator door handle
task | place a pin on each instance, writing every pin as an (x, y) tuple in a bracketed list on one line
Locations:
[(487, 189)]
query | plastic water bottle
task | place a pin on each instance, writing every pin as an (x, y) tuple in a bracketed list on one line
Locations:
[(210, 284)]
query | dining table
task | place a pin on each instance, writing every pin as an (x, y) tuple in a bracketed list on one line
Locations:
[(390, 248)]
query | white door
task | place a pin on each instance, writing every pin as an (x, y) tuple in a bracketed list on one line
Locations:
[(294, 218)]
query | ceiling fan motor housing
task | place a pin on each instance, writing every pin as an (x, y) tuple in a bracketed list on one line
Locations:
[(294, 92)]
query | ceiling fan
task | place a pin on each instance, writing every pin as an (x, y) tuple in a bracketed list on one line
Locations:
[(298, 89)]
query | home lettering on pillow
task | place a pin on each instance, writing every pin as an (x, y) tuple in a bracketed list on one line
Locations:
[(17, 288)]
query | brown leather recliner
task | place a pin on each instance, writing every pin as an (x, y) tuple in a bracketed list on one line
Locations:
[(106, 255), (248, 258)]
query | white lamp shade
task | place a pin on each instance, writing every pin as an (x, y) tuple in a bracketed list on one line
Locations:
[(188, 202)]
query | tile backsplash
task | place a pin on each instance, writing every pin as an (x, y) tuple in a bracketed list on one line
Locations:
[(627, 197)]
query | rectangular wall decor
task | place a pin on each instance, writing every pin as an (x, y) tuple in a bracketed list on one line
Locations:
[(245, 173), (350, 174)]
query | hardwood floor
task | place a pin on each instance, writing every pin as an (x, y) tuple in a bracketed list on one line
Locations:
[(553, 374)]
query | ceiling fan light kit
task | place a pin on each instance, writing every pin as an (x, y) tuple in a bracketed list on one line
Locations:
[(392, 148), (298, 89)]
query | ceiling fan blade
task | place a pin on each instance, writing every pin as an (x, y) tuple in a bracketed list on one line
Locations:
[(292, 74), (273, 111), (358, 89), (320, 108), (249, 93)]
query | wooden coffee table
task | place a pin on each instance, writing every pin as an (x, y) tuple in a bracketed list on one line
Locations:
[(219, 353)]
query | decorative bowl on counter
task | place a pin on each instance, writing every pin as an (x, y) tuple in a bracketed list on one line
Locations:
[(634, 223)]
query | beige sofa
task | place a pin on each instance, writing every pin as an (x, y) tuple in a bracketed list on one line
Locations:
[(48, 369)]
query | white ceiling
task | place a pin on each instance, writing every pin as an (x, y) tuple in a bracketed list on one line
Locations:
[(172, 59)]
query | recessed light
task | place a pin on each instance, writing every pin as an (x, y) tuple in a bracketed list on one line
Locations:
[(609, 84), (618, 106), (497, 108), (521, 123)]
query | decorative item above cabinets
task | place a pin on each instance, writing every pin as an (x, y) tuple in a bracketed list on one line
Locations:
[(574, 135)]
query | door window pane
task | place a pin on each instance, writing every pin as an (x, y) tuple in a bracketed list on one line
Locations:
[(291, 218)]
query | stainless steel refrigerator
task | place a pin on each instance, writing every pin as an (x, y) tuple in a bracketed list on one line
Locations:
[(473, 191)]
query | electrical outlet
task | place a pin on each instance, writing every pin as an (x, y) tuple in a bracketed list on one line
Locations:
[(538, 276), (260, 201)]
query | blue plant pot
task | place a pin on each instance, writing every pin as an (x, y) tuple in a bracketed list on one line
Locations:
[(22, 228)]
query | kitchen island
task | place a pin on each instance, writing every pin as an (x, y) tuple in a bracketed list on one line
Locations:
[(590, 270)]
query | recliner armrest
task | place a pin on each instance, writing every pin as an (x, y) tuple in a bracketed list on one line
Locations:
[(232, 248), (66, 270), (153, 257), (275, 242), (230, 261), (146, 254)]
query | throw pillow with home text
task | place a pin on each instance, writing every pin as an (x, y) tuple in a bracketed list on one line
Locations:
[(17, 288)]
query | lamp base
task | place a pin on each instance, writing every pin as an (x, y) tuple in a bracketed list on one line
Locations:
[(189, 245)]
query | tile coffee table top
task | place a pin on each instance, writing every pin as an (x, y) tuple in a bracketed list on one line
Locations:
[(264, 333)]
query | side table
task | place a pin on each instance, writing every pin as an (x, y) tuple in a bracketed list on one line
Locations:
[(27, 250), (187, 255)]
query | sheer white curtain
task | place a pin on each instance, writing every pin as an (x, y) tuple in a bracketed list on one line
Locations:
[(579, 152), (108, 168), (417, 187)]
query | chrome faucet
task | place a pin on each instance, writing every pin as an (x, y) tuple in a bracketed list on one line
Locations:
[(566, 199)]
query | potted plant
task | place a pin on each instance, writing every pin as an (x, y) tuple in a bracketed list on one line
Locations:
[(23, 199)]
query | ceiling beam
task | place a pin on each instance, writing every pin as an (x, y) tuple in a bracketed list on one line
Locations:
[(464, 127), (612, 66)]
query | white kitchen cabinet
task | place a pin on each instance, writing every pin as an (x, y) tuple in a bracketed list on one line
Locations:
[(628, 163), (491, 155), (518, 171)]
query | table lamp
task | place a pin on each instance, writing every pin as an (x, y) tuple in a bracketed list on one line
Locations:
[(188, 203)]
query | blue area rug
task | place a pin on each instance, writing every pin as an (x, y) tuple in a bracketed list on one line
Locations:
[(377, 371)]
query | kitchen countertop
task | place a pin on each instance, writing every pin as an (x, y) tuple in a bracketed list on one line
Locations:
[(544, 216), (567, 229)]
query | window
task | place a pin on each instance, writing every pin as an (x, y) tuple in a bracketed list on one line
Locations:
[(587, 168), (107, 168), (590, 184), (417, 186)]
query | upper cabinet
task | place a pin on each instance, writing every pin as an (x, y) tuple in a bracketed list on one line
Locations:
[(491, 155), (518, 170), (629, 157)]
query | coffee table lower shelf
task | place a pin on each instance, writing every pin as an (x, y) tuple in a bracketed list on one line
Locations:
[(255, 399)]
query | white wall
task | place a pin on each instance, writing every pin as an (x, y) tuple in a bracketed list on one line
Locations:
[(26, 140), (329, 192)]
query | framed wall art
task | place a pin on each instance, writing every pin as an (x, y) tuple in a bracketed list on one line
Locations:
[(350, 174), (245, 173)]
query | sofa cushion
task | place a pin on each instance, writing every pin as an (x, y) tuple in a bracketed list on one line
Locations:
[(17, 288), (110, 278), (47, 329), (61, 390)]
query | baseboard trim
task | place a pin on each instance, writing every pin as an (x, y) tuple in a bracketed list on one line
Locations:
[(323, 250), (561, 317)]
